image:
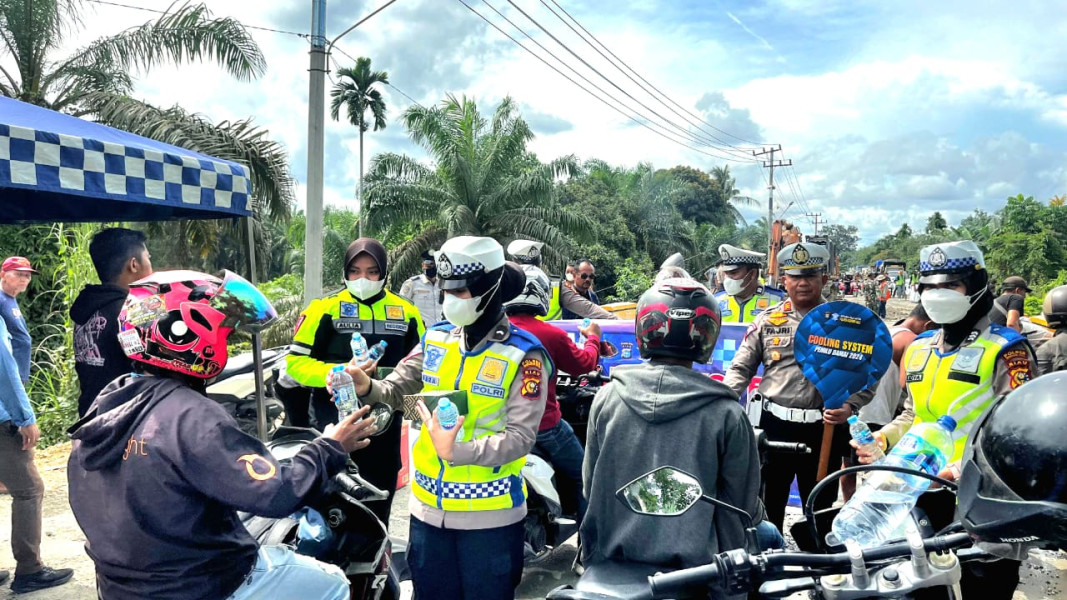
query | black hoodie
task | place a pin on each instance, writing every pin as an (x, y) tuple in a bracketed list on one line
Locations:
[(98, 357), (157, 473)]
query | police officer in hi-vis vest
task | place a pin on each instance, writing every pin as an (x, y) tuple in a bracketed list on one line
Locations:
[(321, 341), (468, 498), (787, 406), (743, 296), (958, 370)]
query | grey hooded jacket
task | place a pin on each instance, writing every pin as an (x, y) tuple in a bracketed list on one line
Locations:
[(652, 415)]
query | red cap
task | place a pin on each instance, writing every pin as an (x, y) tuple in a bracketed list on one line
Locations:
[(17, 263)]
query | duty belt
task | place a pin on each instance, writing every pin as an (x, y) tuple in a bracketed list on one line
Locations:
[(793, 415)]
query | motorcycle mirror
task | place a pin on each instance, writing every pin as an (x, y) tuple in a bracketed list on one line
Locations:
[(383, 417), (664, 492)]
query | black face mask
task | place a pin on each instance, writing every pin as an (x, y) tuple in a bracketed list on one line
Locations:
[(431, 273)]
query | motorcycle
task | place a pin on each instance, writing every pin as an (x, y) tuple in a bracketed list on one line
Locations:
[(551, 517), (235, 389), (356, 540), (894, 570)]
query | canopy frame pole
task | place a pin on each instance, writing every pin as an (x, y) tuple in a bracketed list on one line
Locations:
[(257, 350)]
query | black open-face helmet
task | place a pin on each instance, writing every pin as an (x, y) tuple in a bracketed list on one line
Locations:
[(677, 318), (1055, 307), (1013, 487)]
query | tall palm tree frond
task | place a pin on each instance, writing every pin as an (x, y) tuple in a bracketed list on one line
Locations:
[(188, 33)]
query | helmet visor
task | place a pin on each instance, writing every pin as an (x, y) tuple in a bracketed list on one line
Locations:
[(244, 306)]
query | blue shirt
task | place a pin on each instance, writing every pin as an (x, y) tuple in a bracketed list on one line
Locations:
[(20, 336), (14, 403)]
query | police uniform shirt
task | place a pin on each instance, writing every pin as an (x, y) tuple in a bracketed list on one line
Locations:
[(769, 341), (426, 296)]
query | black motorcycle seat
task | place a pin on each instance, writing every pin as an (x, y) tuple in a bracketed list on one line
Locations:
[(616, 579)]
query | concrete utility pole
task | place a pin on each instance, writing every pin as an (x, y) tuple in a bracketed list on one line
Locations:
[(770, 190), (816, 217), (316, 116)]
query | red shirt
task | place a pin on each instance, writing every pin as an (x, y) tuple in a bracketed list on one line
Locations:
[(564, 354)]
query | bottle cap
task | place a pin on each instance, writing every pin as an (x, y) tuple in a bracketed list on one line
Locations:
[(853, 419), (337, 368), (384, 343), (947, 422), (445, 404)]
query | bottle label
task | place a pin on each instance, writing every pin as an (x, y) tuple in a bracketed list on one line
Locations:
[(923, 456)]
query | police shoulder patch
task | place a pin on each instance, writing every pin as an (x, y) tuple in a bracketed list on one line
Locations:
[(532, 372), (394, 313), (349, 309)]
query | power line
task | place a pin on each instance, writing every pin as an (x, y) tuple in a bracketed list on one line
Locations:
[(163, 12), (681, 129), (638, 75), (586, 90), (691, 137)]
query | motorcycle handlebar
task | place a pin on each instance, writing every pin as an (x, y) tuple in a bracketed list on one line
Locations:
[(358, 488), (792, 448), (668, 585)]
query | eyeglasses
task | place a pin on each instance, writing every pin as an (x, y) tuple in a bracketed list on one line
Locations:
[(587, 276)]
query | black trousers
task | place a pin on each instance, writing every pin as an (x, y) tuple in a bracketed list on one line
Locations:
[(780, 468), (379, 463)]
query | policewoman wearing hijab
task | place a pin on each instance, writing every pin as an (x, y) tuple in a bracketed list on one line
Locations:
[(958, 370), (321, 341), (468, 498)]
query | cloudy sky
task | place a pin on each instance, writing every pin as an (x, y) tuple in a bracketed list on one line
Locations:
[(887, 110)]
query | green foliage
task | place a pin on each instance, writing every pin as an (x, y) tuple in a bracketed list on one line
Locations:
[(936, 223), (632, 278), (483, 182), (61, 254), (1036, 299), (356, 91), (846, 240)]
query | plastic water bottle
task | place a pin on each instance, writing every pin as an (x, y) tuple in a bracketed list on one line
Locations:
[(344, 392), (879, 508), (377, 351), (359, 348), (447, 414), (863, 436)]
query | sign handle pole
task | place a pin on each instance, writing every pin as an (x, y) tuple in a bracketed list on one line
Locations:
[(824, 452)]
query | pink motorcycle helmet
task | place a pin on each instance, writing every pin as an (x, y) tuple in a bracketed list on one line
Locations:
[(181, 320)]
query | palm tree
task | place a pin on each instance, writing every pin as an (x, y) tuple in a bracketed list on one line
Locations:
[(96, 81), (485, 182), (356, 90), (730, 195)]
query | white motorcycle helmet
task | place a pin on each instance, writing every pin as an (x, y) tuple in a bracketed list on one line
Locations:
[(536, 295)]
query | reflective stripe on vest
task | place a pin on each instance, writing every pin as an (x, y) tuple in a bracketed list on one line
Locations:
[(958, 384), (487, 377)]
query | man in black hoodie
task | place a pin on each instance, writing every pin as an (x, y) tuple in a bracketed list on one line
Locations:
[(158, 471), (663, 413), (120, 258)]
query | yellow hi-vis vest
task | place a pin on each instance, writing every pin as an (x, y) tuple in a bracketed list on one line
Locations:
[(732, 312), (487, 376), (958, 383), (555, 311)]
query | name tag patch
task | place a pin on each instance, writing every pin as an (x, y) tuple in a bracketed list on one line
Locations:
[(396, 326), (430, 379), (492, 391), (344, 324)]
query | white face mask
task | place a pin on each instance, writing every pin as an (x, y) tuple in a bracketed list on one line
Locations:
[(733, 286), (364, 288), (570, 276), (460, 311), (946, 306)]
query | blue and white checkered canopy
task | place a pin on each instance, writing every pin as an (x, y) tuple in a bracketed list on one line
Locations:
[(55, 167)]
